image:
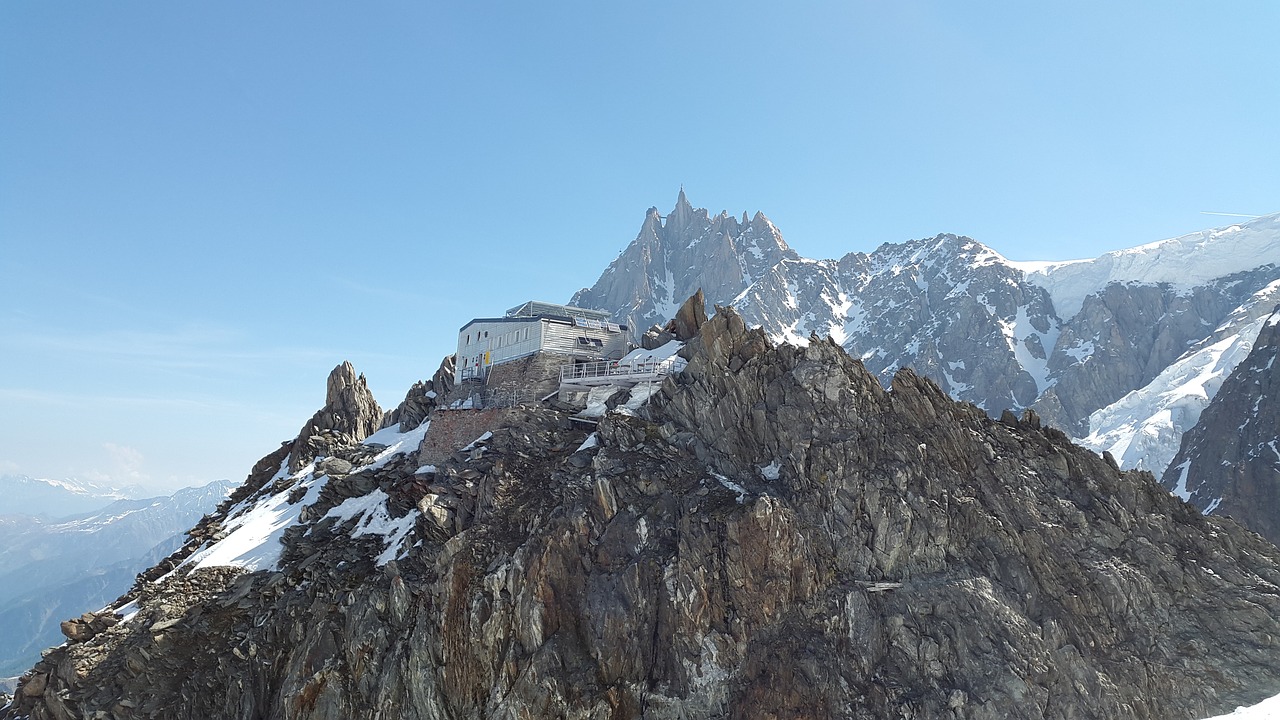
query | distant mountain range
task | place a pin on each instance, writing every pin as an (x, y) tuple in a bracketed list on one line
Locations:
[(54, 569), (1123, 351), (23, 494)]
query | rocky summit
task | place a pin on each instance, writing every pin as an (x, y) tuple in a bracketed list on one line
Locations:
[(774, 535)]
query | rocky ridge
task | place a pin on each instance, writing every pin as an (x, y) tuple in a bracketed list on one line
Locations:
[(783, 537), (350, 414)]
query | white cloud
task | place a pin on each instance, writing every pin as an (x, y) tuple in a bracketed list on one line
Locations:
[(123, 465)]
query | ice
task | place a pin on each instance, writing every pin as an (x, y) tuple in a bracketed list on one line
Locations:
[(1184, 262), (1144, 428)]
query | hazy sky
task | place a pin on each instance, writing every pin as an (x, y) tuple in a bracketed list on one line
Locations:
[(204, 207)]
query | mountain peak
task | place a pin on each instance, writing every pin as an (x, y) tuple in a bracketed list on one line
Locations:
[(682, 215), (668, 262)]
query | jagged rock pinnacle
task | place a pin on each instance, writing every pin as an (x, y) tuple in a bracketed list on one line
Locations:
[(691, 316), (350, 414)]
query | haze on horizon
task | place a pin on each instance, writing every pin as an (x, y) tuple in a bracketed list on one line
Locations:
[(203, 209)]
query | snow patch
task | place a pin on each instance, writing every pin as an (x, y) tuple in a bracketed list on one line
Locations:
[(732, 486), (472, 445), (255, 526), (1268, 709), (375, 519), (126, 611), (396, 442), (770, 471)]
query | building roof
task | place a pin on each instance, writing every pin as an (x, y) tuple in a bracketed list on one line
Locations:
[(535, 308), (473, 321)]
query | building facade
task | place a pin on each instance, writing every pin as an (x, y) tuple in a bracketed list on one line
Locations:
[(577, 333)]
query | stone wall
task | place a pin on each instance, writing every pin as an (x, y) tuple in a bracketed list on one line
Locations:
[(452, 430), (535, 376)]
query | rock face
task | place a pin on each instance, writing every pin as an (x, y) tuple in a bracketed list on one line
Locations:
[(422, 398), (1229, 463), (691, 316), (783, 538)]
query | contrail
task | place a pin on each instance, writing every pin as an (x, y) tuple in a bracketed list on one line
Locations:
[(1206, 212)]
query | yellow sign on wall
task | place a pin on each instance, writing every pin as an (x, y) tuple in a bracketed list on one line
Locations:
[(486, 357)]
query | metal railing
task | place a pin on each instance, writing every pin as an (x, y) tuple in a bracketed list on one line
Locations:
[(498, 398), (619, 370)]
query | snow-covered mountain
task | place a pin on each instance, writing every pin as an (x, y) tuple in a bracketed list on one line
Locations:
[(1144, 428), (57, 498), (1123, 349), (1181, 262), (1229, 462), (54, 569)]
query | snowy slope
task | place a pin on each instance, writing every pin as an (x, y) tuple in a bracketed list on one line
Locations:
[(1183, 261), (254, 527), (1144, 428)]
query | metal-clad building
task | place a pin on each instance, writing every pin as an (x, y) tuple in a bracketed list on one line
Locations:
[(577, 333)]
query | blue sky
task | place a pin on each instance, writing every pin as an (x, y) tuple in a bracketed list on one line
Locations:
[(204, 207)]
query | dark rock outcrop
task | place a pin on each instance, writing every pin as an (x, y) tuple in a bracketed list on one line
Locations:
[(1229, 462), (785, 538), (691, 316)]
